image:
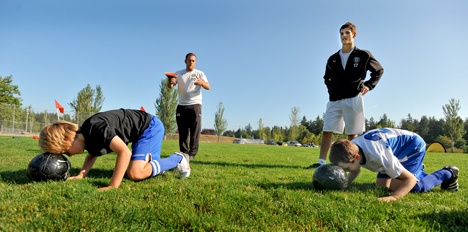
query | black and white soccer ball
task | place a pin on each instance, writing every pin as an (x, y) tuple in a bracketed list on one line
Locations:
[(47, 166), (329, 177)]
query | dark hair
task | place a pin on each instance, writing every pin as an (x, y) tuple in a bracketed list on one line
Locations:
[(189, 55), (350, 25)]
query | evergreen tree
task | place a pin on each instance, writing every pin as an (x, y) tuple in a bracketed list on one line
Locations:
[(454, 127), (166, 106), (88, 102), (220, 121)]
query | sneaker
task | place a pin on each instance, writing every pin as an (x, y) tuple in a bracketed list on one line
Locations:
[(316, 165), (452, 183), (192, 157), (184, 166)]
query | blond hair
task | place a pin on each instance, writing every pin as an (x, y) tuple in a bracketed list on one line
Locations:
[(343, 151), (57, 137)]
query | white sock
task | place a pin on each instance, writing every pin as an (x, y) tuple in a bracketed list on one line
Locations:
[(156, 167), (322, 161)]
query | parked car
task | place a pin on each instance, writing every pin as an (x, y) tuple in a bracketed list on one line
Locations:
[(271, 142), (294, 144), (238, 141), (309, 145)]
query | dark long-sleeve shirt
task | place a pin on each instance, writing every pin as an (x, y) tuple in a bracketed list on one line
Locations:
[(348, 82)]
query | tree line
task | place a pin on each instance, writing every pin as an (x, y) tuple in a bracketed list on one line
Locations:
[(450, 131)]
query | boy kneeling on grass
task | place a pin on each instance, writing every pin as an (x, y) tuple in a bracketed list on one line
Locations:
[(112, 131), (397, 155)]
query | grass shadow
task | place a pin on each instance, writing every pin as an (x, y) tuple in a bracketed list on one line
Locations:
[(20, 177), (355, 187), (226, 164), (456, 220)]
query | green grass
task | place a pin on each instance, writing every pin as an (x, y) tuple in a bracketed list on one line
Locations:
[(232, 187)]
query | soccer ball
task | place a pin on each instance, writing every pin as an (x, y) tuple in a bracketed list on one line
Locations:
[(329, 177), (47, 166)]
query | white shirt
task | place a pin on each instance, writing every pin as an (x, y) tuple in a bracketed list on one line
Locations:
[(189, 93), (344, 57), (385, 149)]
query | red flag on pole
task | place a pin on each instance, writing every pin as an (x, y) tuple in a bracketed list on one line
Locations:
[(59, 107), (142, 109)]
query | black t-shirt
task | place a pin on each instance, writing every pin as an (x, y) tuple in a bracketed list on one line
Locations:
[(101, 128)]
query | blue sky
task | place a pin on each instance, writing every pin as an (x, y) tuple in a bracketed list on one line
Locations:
[(262, 58)]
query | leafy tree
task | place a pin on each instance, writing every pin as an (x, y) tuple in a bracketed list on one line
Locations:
[(248, 130), (220, 121), (422, 127), (371, 124), (465, 136), (435, 129), (166, 106), (294, 117), (305, 136), (385, 122), (262, 134), (307, 124), (88, 102), (316, 126), (229, 133), (267, 132), (9, 93), (408, 123), (242, 133), (278, 133), (10, 101), (453, 127)]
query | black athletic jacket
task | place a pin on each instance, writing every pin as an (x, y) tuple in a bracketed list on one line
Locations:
[(348, 83)]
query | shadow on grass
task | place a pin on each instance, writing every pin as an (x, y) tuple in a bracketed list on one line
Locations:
[(355, 187), (447, 220), (21, 176), (225, 164)]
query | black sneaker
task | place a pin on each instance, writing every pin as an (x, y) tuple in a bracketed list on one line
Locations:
[(452, 183), (316, 165)]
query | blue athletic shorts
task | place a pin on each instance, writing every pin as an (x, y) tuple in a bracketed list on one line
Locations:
[(150, 142), (414, 161)]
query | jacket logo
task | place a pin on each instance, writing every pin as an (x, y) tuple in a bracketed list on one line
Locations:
[(356, 61)]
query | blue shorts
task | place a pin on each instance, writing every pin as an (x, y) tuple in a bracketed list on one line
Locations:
[(150, 142), (414, 161)]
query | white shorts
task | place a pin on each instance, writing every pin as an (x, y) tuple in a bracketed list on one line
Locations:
[(345, 114)]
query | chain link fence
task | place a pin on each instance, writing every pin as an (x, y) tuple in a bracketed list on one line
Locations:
[(21, 120)]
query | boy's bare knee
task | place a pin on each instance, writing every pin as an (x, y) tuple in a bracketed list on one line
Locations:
[(135, 175)]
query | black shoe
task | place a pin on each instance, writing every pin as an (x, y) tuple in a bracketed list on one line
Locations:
[(316, 165), (452, 183)]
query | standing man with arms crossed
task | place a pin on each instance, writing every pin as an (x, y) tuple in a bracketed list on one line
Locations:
[(344, 77), (189, 110)]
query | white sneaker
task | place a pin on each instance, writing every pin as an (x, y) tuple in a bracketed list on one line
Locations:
[(184, 166)]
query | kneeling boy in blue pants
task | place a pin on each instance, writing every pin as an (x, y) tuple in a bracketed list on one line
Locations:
[(112, 131), (397, 155)]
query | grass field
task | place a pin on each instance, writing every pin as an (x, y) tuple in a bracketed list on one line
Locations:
[(233, 187)]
